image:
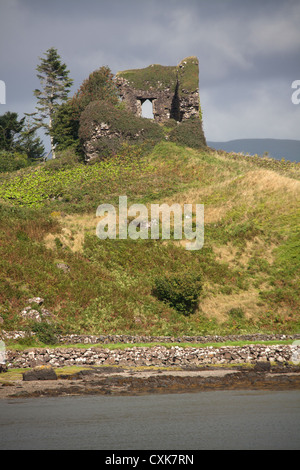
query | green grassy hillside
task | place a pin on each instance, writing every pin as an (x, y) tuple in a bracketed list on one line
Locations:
[(249, 265)]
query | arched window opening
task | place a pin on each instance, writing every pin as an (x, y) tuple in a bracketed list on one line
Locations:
[(147, 109)]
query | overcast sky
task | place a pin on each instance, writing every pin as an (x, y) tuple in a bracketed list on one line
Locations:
[(249, 53)]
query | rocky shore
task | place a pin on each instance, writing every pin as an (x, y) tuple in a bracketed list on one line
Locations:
[(113, 381), (152, 369)]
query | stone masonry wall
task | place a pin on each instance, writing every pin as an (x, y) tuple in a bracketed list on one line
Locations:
[(156, 355), (152, 356), (173, 91)]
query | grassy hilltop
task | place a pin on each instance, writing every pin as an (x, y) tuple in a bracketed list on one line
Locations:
[(249, 265)]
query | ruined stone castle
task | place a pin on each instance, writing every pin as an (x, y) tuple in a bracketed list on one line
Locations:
[(174, 94), (173, 91)]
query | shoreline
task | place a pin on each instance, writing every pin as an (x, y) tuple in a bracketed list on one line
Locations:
[(153, 369), (133, 381)]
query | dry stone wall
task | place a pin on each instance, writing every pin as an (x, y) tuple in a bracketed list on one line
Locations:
[(132, 339), (159, 356), (156, 355)]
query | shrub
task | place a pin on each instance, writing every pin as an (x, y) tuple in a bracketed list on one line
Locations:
[(66, 159), (12, 161), (46, 332), (189, 133), (123, 127), (97, 87), (236, 313), (180, 291)]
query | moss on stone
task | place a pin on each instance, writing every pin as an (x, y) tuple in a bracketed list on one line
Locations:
[(188, 74), (161, 77), (121, 126), (155, 76)]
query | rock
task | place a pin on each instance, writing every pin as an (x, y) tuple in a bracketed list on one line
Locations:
[(3, 367), (40, 373), (45, 312), (227, 355), (64, 267), (36, 300), (262, 366), (31, 314)]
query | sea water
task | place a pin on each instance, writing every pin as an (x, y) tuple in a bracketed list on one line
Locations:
[(190, 421)]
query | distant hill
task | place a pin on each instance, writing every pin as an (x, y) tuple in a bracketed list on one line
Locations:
[(277, 148)]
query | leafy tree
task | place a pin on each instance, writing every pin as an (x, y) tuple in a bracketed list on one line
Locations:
[(55, 86), (99, 86), (65, 127)]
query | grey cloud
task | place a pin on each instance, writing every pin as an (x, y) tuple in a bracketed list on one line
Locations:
[(247, 51)]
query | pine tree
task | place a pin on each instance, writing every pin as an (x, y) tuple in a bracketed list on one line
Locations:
[(29, 142), (55, 86), (10, 128)]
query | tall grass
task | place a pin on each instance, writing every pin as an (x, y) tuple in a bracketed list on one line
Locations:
[(249, 262)]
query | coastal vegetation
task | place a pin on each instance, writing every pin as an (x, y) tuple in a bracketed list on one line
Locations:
[(245, 279), (249, 265)]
